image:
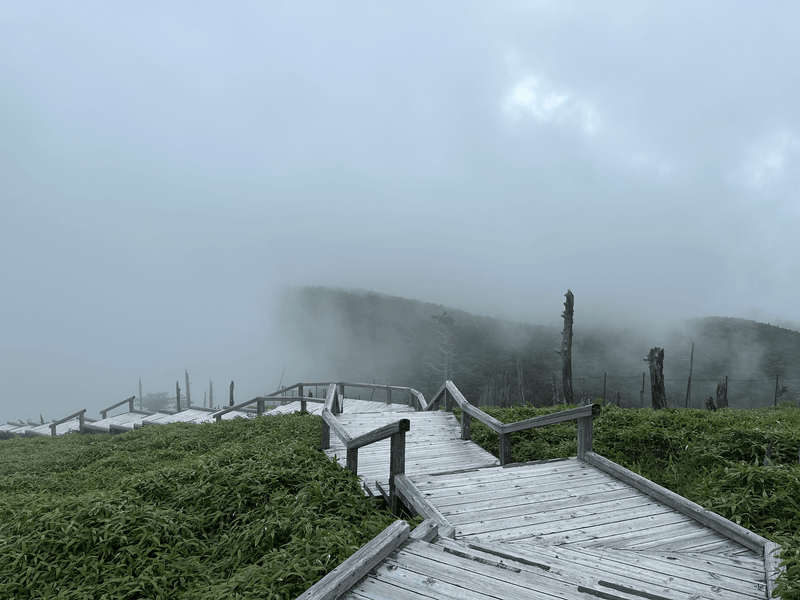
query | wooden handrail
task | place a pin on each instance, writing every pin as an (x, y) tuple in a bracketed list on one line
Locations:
[(120, 403), (584, 415), (54, 424), (396, 431)]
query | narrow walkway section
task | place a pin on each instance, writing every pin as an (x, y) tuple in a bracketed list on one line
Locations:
[(560, 529), (433, 444)]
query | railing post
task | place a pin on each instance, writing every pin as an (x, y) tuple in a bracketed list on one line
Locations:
[(53, 429), (466, 425), (260, 407), (341, 391), (388, 395), (103, 413), (303, 407), (448, 400), (505, 448), (352, 460), (397, 463), (80, 420), (130, 403), (325, 442), (585, 436)]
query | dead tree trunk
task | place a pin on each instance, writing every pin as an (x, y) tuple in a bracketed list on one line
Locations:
[(556, 399), (140, 393), (656, 361), (231, 400), (178, 396), (710, 403), (722, 397), (520, 388), (210, 394), (188, 393), (566, 348)]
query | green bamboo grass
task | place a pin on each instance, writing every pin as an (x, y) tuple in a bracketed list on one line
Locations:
[(238, 509)]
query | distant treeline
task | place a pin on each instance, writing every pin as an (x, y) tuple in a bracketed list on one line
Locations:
[(357, 335)]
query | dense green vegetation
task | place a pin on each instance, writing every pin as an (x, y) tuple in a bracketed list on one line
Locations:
[(237, 509), (715, 459)]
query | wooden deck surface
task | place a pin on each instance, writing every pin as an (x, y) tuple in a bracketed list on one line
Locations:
[(544, 530)]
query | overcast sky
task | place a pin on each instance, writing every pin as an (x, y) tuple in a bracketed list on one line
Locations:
[(166, 167)]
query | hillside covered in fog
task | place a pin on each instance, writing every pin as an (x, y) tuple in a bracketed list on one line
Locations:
[(366, 336)]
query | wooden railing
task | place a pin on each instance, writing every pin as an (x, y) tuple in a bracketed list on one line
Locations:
[(79, 414), (130, 400), (450, 395), (396, 431)]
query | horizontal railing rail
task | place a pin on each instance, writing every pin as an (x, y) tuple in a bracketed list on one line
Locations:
[(129, 401), (395, 431), (80, 414), (450, 394)]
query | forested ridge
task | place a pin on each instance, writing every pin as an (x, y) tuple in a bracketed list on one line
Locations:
[(367, 336)]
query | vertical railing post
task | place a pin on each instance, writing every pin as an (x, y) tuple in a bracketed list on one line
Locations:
[(466, 425), (388, 395), (397, 461), (341, 391), (303, 407), (325, 442), (505, 448), (585, 436), (260, 407), (448, 400), (352, 460), (130, 403), (53, 429), (80, 421)]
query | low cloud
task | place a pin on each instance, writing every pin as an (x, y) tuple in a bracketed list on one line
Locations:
[(531, 97)]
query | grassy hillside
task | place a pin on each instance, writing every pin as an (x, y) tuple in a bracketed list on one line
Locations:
[(237, 509), (356, 335)]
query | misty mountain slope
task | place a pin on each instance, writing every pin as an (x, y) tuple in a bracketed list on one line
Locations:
[(328, 333)]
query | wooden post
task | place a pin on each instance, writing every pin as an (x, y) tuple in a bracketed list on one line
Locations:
[(604, 389), (689, 384), (325, 443), (352, 460), (585, 436), (260, 407), (303, 407), (466, 426), (178, 396), (448, 401), (656, 361), (505, 448), (397, 461), (341, 391), (188, 393), (130, 403), (388, 395), (210, 394), (205, 399), (230, 401)]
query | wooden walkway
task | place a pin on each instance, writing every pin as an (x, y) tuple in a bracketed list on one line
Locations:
[(566, 529)]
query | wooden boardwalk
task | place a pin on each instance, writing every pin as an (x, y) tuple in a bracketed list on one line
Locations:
[(566, 528)]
